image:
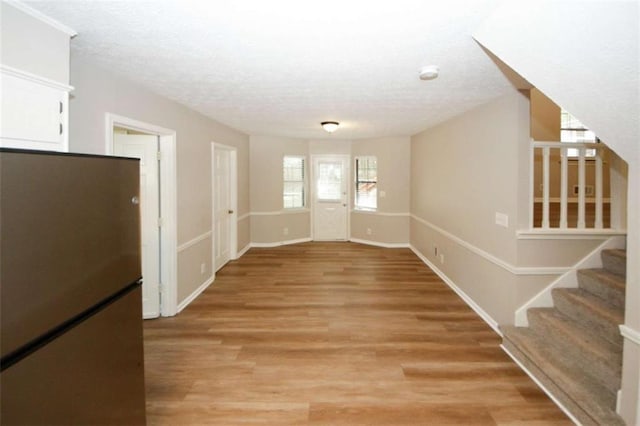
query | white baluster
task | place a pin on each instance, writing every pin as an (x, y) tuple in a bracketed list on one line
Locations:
[(532, 204), (545, 187), (563, 188), (598, 189), (581, 187)]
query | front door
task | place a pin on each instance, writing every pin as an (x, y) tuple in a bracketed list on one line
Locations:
[(330, 197), (145, 147)]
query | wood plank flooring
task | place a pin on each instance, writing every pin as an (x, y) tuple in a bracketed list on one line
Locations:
[(336, 334)]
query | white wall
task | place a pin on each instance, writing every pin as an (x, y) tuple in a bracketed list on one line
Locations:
[(31, 45), (98, 92)]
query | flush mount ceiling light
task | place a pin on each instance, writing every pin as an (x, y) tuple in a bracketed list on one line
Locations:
[(429, 72), (330, 126)]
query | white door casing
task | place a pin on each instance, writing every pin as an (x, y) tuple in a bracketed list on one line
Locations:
[(224, 204), (330, 197), (168, 202), (145, 147)]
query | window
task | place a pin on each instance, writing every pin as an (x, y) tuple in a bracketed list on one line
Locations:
[(366, 183), (293, 188), (329, 181), (573, 131)]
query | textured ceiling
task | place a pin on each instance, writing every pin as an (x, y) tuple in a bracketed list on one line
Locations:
[(281, 67)]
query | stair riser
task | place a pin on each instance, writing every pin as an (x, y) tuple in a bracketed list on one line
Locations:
[(594, 286), (603, 370), (584, 316), (614, 264)]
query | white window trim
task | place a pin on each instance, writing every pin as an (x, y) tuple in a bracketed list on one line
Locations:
[(355, 186), (305, 185)]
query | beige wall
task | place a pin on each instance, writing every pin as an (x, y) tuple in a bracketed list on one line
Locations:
[(98, 92), (465, 170), (330, 147), (390, 223), (271, 225), (393, 156), (265, 157), (545, 117)]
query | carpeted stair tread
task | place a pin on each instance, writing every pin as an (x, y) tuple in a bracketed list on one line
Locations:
[(615, 261), (604, 284), (589, 401), (593, 312), (575, 348), (578, 345)]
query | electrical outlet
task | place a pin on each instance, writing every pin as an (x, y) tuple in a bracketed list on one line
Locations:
[(442, 258), (369, 231), (285, 231), (203, 268)]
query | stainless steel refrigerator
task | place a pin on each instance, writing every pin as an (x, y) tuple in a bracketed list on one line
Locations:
[(70, 295)]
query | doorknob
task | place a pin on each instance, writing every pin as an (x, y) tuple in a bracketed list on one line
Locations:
[(230, 212)]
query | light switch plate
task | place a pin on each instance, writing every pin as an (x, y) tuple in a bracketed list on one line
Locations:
[(502, 219)]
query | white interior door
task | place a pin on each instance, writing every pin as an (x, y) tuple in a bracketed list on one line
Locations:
[(330, 197), (222, 208), (145, 147)]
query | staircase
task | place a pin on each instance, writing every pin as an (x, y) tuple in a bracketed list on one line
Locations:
[(575, 348)]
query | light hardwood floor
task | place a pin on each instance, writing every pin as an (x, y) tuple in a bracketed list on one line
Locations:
[(336, 334)]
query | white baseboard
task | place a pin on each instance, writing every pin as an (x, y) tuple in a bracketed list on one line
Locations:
[(195, 294), (630, 334), (539, 383), (306, 240), (243, 251), (281, 243), (464, 296), (379, 244)]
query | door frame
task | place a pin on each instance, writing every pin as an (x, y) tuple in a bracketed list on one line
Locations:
[(168, 204), (312, 192), (233, 200)]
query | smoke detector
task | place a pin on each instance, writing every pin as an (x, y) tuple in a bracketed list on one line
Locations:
[(429, 72)]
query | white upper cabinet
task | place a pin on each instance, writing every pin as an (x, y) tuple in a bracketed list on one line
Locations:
[(34, 112), (34, 79)]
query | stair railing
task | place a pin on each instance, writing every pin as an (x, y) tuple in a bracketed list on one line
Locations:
[(563, 148)]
